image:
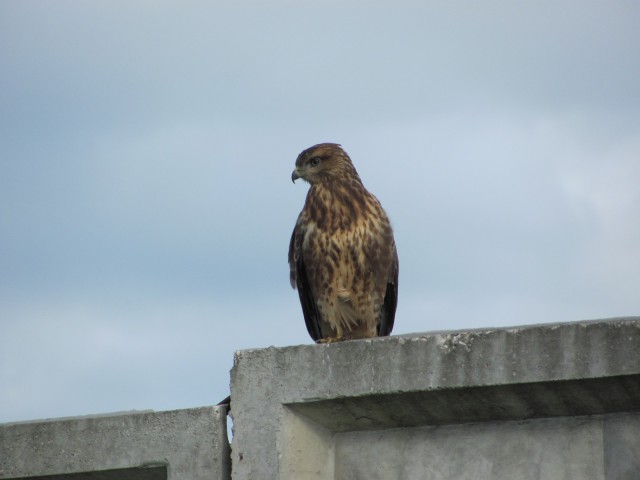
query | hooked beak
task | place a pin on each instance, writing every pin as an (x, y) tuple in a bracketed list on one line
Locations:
[(295, 176)]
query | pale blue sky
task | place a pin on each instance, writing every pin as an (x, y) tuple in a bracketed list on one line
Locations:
[(146, 204)]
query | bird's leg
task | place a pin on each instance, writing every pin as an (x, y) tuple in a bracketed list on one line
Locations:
[(330, 340)]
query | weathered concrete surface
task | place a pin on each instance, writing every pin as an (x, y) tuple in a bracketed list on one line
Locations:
[(558, 448), (298, 411), (182, 444)]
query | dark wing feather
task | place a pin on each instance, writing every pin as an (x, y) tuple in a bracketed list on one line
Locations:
[(299, 274), (390, 301)]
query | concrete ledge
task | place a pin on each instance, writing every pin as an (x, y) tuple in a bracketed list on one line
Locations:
[(181, 444), (542, 402), (476, 404), (293, 406)]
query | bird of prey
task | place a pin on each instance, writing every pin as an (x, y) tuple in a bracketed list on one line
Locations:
[(342, 254)]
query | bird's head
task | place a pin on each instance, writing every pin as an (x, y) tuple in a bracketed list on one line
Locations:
[(323, 163)]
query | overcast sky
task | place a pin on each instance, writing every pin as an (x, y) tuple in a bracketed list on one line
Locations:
[(146, 203)]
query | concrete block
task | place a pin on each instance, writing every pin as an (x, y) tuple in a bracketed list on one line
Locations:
[(563, 448), (182, 444), (545, 395), (621, 438)]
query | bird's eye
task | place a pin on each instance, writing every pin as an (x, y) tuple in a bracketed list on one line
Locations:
[(315, 161)]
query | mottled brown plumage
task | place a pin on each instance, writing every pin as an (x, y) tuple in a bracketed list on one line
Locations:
[(342, 255)]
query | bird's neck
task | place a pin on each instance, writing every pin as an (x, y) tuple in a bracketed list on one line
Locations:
[(338, 205)]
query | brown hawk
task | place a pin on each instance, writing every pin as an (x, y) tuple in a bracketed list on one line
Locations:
[(342, 255)]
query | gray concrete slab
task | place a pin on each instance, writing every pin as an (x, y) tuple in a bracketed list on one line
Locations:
[(291, 405), (562, 448), (621, 437), (182, 444)]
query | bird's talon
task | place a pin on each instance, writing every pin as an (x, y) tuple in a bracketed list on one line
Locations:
[(330, 340)]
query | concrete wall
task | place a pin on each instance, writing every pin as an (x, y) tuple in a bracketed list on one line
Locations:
[(542, 402), (536, 402), (559, 448), (183, 444)]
